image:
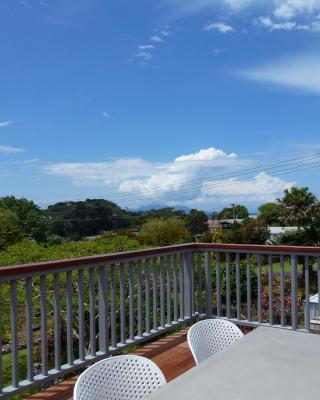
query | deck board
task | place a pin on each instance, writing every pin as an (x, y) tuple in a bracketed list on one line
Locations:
[(171, 354)]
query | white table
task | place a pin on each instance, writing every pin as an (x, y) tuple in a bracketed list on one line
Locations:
[(268, 363)]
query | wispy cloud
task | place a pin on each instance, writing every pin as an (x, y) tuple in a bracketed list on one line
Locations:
[(4, 124), (156, 38), (105, 114), (299, 72), (10, 150), (219, 26), (146, 46), (267, 22)]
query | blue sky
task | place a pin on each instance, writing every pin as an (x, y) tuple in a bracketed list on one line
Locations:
[(129, 100)]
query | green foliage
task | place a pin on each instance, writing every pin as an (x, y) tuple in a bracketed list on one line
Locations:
[(32, 222), (161, 232), (269, 212), (299, 207), (239, 212), (196, 222), (29, 252), (253, 231), (10, 228)]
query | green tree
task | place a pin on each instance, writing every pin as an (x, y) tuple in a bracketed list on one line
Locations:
[(33, 224), (164, 232), (239, 212), (269, 212), (10, 228), (77, 219), (299, 207), (196, 222)]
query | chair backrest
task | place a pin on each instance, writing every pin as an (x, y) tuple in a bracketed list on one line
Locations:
[(119, 378), (211, 336)]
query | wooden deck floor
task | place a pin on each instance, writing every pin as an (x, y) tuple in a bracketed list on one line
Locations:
[(171, 354)]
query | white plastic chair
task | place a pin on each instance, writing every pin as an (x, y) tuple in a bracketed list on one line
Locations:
[(118, 378), (211, 336)]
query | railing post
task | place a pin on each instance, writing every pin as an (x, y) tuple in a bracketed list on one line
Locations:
[(208, 266), (187, 274), (294, 311)]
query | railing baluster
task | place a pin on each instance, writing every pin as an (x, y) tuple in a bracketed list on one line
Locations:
[(131, 304), (270, 281), (69, 313), (1, 333), (307, 293), (92, 312), (169, 319), (57, 322), (113, 306), (139, 273), (122, 305), (181, 285), (14, 334), (175, 289), (44, 324), (208, 277), (187, 284), (29, 329), (218, 285), (162, 284), (192, 294), (81, 315), (103, 310), (249, 318), (199, 283), (155, 293), (259, 303), (147, 295), (238, 292), (318, 262), (294, 292), (228, 285), (282, 311)]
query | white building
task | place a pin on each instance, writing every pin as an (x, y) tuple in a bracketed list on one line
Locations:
[(276, 231)]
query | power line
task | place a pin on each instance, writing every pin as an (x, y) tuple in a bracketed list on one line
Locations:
[(161, 190), (221, 185)]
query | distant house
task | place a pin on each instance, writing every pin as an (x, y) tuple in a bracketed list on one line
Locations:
[(214, 224), (276, 231)]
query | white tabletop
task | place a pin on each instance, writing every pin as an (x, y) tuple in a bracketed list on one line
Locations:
[(266, 364)]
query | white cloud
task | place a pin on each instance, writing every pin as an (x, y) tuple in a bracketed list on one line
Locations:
[(288, 9), (146, 46), (299, 72), (267, 22), (205, 155), (185, 180), (262, 188), (156, 38), (4, 124), (10, 150), (143, 55), (105, 114), (219, 26)]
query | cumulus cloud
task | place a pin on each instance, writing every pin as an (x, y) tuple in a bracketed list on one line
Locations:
[(262, 187), (184, 180), (10, 150), (298, 72), (219, 26), (4, 124)]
